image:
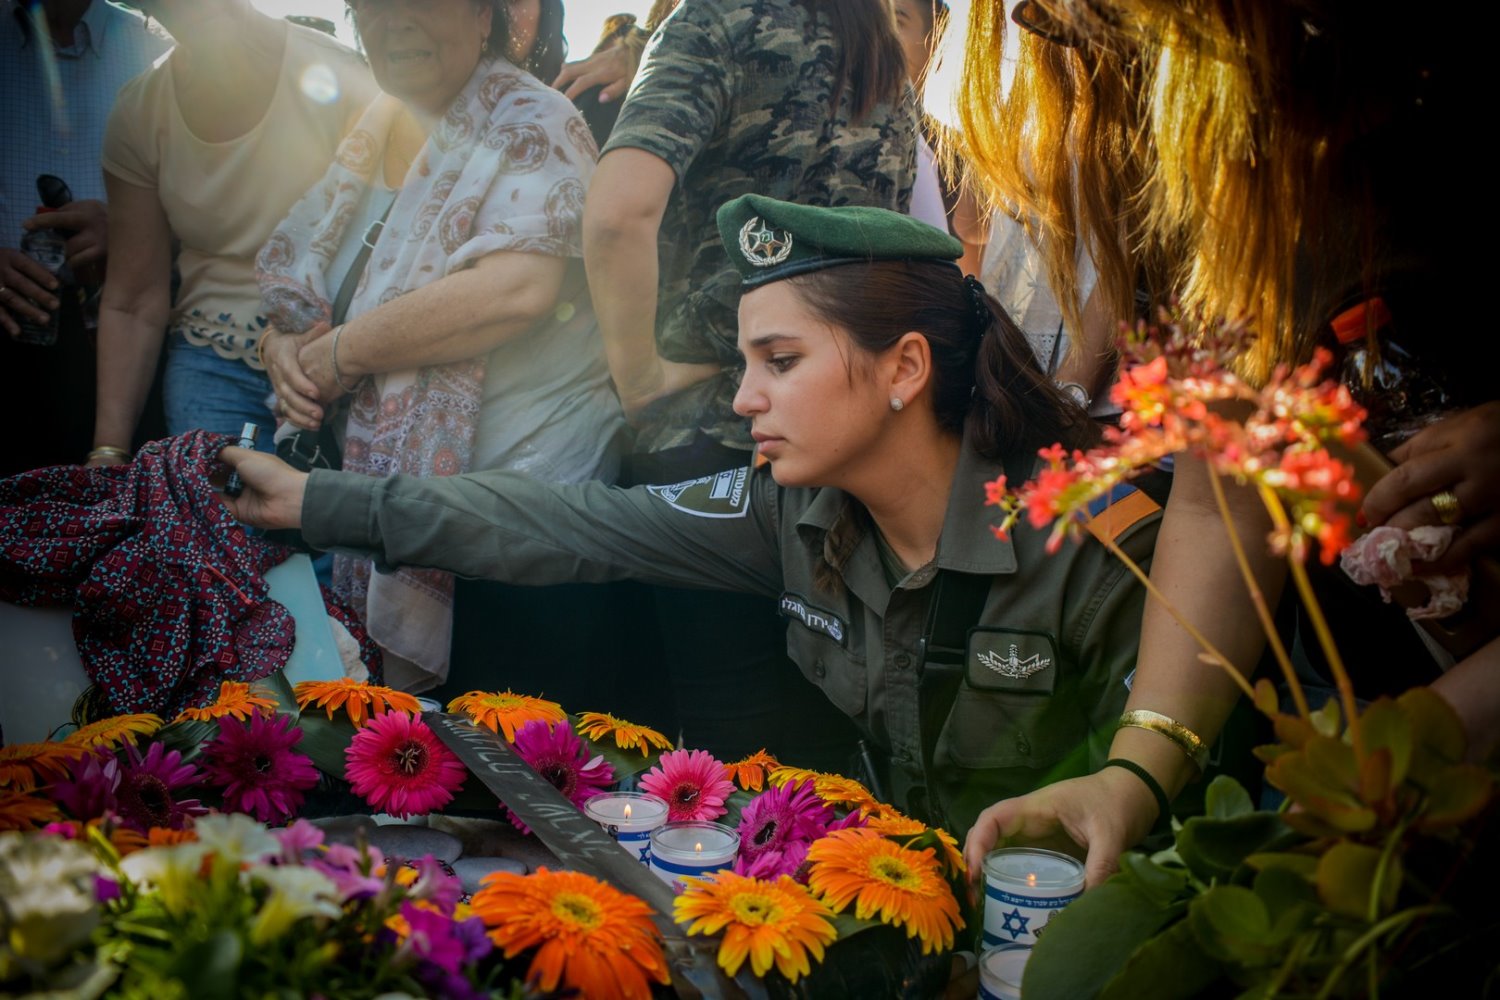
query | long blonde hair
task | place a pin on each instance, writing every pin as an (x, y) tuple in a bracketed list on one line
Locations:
[(1203, 149)]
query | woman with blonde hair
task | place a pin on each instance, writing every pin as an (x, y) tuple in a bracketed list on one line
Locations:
[(1266, 162)]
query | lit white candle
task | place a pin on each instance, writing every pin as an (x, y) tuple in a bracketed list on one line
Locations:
[(629, 817), (1023, 888), (679, 850), (1000, 972)]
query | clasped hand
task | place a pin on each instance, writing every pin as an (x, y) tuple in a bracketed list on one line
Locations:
[(300, 367)]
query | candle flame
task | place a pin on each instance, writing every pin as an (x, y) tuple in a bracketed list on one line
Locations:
[(698, 848), (1031, 879), (627, 810)]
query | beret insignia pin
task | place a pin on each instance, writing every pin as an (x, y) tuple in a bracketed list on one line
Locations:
[(762, 245)]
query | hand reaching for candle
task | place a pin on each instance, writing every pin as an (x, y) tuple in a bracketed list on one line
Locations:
[(1104, 813), (272, 497)]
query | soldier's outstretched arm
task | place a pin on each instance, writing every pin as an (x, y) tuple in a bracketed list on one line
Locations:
[(717, 532)]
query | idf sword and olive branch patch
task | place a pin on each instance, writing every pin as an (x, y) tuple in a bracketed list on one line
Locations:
[(723, 494), (1012, 660), (762, 245)]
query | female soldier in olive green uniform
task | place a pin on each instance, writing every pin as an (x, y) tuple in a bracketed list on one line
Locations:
[(884, 392)]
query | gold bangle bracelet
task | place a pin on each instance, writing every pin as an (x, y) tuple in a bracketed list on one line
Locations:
[(1187, 741), (109, 451)]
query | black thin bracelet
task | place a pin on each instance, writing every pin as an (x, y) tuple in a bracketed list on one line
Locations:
[(1164, 808)]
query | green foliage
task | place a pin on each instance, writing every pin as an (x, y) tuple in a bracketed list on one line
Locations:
[(1320, 900)]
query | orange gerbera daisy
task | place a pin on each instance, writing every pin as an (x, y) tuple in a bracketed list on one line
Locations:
[(905, 888), (23, 811), (770, 923), (23, 765), (589, 936), (362, 701), (914, 833), (627, 735), (750, 773), (506, 711), (835, 789), (236, 699), (111, 732)]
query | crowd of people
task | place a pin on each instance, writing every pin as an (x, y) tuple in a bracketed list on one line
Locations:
[(669, 380)]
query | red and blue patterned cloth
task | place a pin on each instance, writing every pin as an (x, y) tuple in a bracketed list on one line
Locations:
[(168, 590)]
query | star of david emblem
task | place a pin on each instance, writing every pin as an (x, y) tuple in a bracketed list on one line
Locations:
[(1021, 922), (762, 245)]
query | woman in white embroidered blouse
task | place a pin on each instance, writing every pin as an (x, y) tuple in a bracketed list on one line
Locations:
[(208, 150)]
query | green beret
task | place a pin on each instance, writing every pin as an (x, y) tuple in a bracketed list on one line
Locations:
[(769, 239)]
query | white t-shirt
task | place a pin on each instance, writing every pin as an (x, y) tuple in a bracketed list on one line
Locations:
[(223, 199)]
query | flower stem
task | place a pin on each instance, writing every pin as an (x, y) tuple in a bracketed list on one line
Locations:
[(1258, 598), (1186, 625), (1320, 626), (1352, 953)]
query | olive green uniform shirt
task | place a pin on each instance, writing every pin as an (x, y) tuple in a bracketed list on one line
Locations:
[(1045, 677)]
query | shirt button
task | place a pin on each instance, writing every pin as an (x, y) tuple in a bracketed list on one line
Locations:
[(903, 661), (819, 671)]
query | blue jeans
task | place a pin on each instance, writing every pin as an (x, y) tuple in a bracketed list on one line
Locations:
[(202, 390)]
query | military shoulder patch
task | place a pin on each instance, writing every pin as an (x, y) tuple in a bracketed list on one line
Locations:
[(1012, 660), (723, 494), (1121, 509)]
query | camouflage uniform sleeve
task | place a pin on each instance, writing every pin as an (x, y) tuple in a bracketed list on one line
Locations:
[(719, 532), (682, 93)]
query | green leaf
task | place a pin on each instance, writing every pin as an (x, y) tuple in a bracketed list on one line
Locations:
[(1227, 798), (325, 740), (1231, 924), (1283, 890), (1385, 726), (1213, 849), (1346, 877), (847, 924), (206, 966), (1168, 966), (1455, 795), (1266, 699), (1437, 734), (1160, 884), (1089, 941), (1304, 865)]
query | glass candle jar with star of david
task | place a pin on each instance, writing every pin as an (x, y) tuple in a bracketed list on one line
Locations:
[(1023, 888)]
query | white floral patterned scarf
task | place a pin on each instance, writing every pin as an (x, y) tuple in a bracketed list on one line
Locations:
[(480, 184)]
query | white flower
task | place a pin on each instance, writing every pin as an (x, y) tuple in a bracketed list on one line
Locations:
[(296, 892), (236, 838), (172, 870), (47, 901)]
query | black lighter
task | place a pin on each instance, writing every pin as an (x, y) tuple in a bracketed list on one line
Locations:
[(234, 485)]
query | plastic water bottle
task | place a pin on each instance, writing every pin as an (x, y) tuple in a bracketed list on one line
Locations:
[(49, 248), (1386, 379)]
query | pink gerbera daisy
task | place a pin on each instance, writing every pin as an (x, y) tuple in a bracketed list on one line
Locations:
[(255, 764), (694, 783), (557, 754), (398, 765), (144, 794), (776, 828)]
